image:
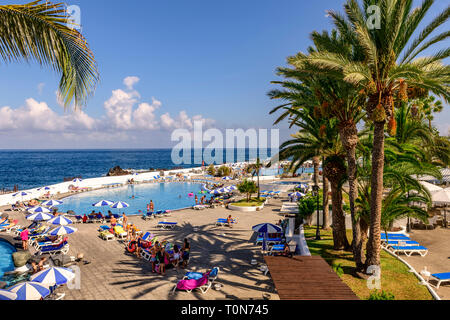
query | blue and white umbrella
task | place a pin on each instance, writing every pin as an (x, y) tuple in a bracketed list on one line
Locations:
[(39, 209), (120, 205), (39, 217), (266, 228), (60, 221), (51, 203), (30, 291), (103, 203), (7, 295), (297, 194), (21, 194), (62, 230), (53, 276)]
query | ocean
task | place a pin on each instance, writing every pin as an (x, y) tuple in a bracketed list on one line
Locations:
[(35, 168)]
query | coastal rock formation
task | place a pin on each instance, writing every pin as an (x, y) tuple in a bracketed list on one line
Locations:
[(117, 171)]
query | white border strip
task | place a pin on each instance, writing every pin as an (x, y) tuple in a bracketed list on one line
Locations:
[(422, 280)]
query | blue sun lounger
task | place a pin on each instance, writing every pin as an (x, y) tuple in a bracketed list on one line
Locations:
[(167, 225), (440, 277), (391, 243), (409, 250)]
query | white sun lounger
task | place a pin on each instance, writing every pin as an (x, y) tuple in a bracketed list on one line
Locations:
[(409, 250), (440, 277), (167, 225)]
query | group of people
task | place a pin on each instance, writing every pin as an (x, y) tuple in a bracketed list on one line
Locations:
[(161, 257)]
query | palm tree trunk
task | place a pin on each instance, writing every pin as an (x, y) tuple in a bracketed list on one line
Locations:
[(349, 139), (316, 163), (326, 208), (340, 241), (376, 196)]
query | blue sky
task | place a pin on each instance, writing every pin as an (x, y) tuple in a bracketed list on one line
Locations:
[(183, 60)]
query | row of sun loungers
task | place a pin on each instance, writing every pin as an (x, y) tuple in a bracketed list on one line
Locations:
[(400, 243)]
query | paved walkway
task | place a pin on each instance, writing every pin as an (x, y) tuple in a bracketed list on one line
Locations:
[(114, 274)]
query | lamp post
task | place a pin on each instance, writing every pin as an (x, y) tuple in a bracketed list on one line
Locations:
[(316, 194)]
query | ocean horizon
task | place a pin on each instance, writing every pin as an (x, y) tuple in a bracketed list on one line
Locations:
[(32, 168)]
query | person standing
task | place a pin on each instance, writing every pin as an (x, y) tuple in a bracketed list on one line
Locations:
[(24, 238), (152, 206)]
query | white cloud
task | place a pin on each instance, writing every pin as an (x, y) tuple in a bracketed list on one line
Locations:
[(129, 82), (40, 87), (126, 118)]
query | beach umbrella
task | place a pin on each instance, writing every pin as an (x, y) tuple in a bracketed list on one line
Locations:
[(103, 203), (51, 203), (442, 197), (120, 205), (44, 188), (39, 216), (39, 209), (60, 220), (266, 228), (30, 291), (62, 230), (53, 276), (7, 295), (297, 194), (431, 187)]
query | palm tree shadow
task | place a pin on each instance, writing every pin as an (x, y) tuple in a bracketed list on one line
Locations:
[(211, 246)]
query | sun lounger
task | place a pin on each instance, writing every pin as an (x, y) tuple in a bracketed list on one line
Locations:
[(440, 277), (409, 250), (63, 248), (120, 233), (402, 243), (167, 225), (224, 222), (148, 215), (106, 235), (200, 207), (269, 241), (191, 284)]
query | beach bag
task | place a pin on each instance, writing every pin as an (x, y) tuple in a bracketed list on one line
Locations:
[(20, 258)]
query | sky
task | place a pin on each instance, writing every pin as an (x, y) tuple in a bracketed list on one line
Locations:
[(164, 65)]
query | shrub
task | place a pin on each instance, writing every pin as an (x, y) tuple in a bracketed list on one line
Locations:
[(383, 295)]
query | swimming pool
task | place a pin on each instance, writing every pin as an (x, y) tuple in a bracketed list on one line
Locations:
[(6, 261), (165, 196)]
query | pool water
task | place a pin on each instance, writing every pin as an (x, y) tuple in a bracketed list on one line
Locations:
[(165, 196), (6, 261)]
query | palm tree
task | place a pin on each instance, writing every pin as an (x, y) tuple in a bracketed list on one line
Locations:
[(319, 136), (334, 98), (255, 169), (389, 68), (42, 32)]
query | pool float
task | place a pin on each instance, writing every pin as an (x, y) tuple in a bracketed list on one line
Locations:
[(131, 248)]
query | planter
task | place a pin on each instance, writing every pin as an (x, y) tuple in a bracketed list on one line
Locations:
[(245, 209)]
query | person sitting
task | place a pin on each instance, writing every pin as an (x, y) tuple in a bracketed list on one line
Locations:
[(287, 251), (230, 221)]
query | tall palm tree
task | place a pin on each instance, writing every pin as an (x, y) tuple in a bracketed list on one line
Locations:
[(334, 98), (319, 136), (42, 32), (389, 68)]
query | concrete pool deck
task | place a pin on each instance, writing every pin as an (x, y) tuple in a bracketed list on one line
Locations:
[(113, 274)]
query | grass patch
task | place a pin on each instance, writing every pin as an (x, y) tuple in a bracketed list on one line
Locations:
[(254, 202), (395, 277)]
